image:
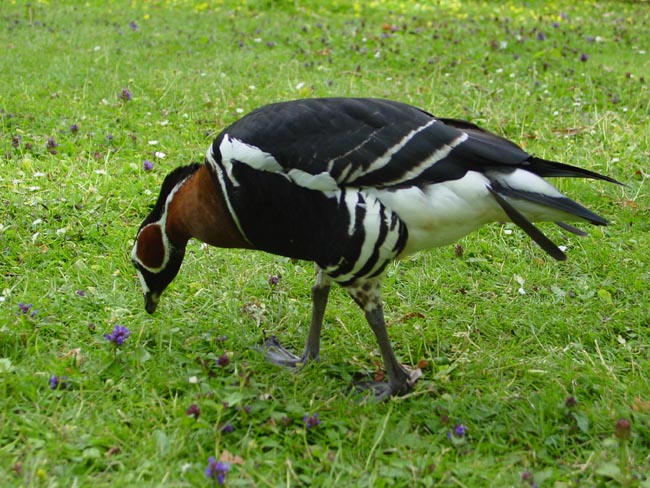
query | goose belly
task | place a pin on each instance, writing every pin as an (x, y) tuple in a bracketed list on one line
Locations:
[(441, 213)]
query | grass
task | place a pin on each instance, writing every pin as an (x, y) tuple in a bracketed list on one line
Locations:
[(538, 360)]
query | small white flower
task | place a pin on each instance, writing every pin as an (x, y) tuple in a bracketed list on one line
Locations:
[(239, 110), (193, 380), (39, 175), (562, 248), (160, 155), (521, 282), (37, 221), (164, 122), (507, 231), (153, 143), (100, 171), (34, 188), (300, 85), (61, 231)]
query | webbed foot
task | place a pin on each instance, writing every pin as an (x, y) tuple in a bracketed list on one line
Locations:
[(383, 390), (276, 353)]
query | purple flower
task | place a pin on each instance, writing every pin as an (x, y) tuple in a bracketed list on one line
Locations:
[(591, 39), (24, 309), (193, 411), (528, 479), (133, 26), (217, 470), (227, 428), (118, 336), (223, 360), (274, 280), (51, 144), (220, 338), (540, 36), (74, 128), (311, 421), (571, 402), (458, 431), (126, 94), (80, 293), (622, 429), (584, 57), (57, 383), (147, 165)]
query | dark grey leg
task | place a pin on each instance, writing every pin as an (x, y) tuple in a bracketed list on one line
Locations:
[(277, 354), (400, 380), (319, 294)]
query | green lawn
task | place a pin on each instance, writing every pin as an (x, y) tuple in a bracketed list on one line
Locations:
[(537, 361)]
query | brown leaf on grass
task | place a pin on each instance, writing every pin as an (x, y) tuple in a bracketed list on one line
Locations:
[(569, 131), (639, 405), (411, 315), (112, 451), (75, 355), (422, 364), (628, 204), (228, 457)]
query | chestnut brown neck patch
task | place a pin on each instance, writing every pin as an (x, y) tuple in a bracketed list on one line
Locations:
[(151, 249)]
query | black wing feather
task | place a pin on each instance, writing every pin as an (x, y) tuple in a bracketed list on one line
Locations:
[(345, 136)]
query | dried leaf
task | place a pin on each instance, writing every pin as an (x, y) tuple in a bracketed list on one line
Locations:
[(639, 405), (228, 457), (423, 364)]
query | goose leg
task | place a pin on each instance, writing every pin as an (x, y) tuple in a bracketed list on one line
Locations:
[(400, 379), (278, 354)]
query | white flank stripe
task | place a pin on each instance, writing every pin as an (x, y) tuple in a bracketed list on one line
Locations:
[(438, 155), (351, 200), (321, 182), (385, 158), (236, 150), (224, 190), (371, 234)]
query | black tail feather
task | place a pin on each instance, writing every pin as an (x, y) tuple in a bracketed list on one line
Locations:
[(563, 204), (535, 234), (544, 167), (570, 228)]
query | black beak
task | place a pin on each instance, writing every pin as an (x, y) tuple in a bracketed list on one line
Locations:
[(151, 302)]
